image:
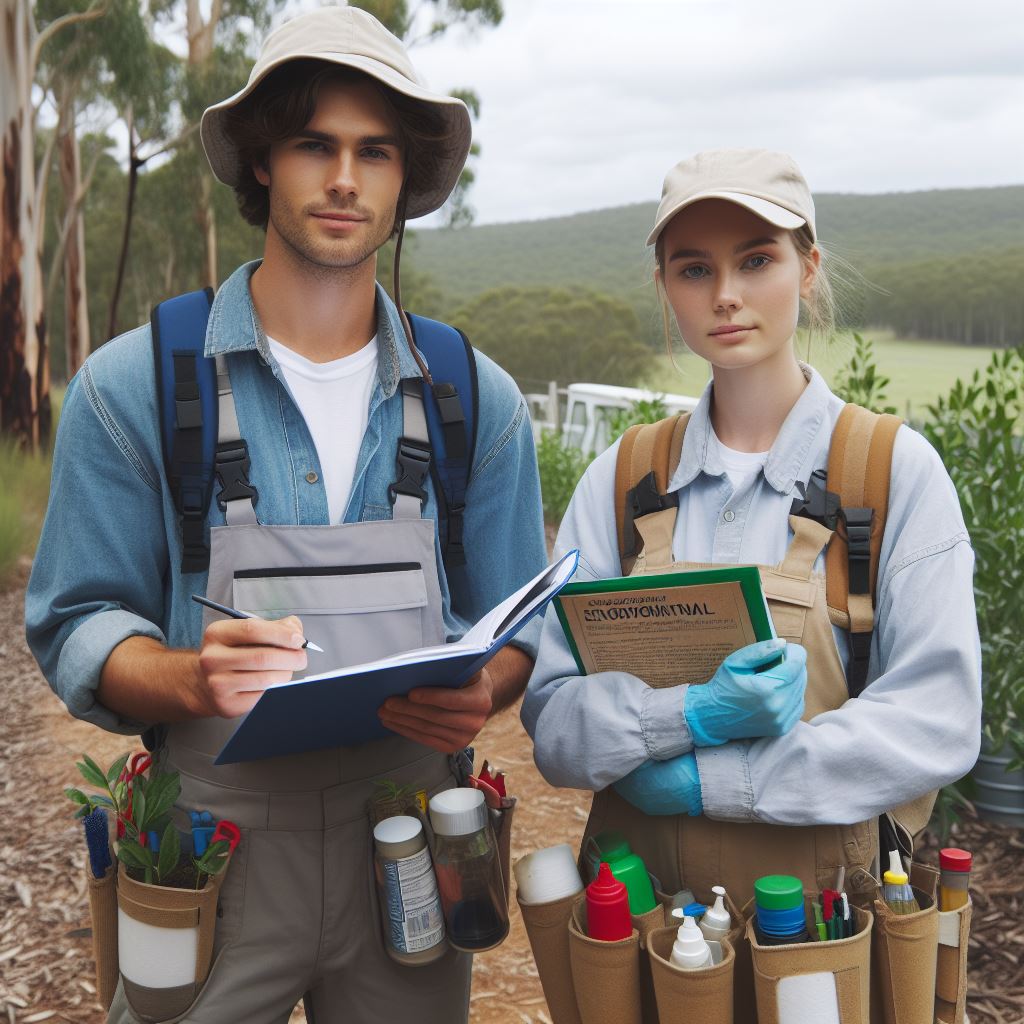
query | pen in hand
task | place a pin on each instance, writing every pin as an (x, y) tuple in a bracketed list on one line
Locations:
[(236, 614)]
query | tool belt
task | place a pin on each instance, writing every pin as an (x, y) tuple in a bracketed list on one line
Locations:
[(909, 969)]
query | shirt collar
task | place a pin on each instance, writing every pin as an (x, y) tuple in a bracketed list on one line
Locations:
[(794, 455), (234, 326)]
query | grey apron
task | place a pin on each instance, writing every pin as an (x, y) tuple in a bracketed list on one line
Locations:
[(298, 914)]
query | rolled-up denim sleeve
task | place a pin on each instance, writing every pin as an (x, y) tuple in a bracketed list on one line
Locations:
[(590, 731), (503, 530), (98, 574)]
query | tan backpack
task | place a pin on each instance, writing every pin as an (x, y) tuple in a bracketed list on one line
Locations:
[(851, 498)]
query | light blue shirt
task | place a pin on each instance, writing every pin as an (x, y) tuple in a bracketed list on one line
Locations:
[(108, 565), (917, 725)]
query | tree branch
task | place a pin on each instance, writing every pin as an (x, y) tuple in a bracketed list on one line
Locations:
[(97, 10), (178, 139)]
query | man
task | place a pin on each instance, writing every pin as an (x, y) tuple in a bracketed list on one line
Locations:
[(330, 146)]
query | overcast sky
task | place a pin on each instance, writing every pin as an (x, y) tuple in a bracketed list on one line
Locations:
[(586, 103)]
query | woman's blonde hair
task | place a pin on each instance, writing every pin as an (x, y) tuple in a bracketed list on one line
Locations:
[(818, 312)]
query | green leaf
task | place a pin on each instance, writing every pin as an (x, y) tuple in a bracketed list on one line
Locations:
[(114, 771), (139, 808), (76, 796), (135, 856), (90, 771), (170, 851)]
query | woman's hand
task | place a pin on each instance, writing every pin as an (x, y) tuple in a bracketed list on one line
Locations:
[(664, 787), (740, 702)]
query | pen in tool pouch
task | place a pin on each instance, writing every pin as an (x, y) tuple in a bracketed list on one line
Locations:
[(234, 613)]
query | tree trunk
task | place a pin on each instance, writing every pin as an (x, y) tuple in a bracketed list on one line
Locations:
[(76, 305), (200, 36), (208, 226), (133, 179), (24, 389)]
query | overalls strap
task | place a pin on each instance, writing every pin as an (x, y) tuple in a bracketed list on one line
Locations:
[(412, 459), (231, 462)]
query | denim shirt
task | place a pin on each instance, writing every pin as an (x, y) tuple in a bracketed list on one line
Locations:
[(108, 565), (916, 726)]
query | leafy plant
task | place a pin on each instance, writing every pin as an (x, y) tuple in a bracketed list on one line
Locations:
[(142, 806), (978, 430), (561, 467), (641, 411), (859, 380)]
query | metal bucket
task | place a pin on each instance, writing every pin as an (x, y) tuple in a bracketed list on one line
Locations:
[(1000, 794)]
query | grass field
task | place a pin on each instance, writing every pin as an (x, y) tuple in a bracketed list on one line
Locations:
[(919, 371)]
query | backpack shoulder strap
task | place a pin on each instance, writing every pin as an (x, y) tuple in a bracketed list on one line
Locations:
[(859, 466), (186, 383), (647, 457), (451, 407)]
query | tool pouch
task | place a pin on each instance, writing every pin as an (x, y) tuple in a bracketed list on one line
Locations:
[(645, 925), (743, 1001), (547, 926), (951, 965), (903, 956), (809, 981), (501, 822), (103, 913), (605, 975), (165, 944), (682, 996)]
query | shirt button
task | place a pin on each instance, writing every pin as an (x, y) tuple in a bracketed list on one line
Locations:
[(728, 515), (311, 477)]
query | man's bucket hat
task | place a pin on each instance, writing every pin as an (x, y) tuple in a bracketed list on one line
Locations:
[(352, 38), (766, 183)]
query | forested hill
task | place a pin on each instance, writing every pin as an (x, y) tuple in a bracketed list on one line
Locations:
[(933, 255)]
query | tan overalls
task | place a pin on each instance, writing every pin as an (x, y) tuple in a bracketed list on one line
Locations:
[(298, 917)]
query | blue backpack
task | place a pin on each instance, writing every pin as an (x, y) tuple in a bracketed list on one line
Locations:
[(187, 392)]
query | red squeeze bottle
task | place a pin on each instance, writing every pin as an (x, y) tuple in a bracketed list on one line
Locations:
[(608, 907)]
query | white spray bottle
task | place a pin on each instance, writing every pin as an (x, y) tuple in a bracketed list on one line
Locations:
[(715, 924), (690, 950)]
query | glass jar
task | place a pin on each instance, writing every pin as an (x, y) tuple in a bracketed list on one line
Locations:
[(407, 892), (468, 870)]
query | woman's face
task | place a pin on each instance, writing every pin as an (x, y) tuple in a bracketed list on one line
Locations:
[(734, 282)]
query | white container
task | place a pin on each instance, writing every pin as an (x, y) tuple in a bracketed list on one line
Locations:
[(715, 924), (690, 951), (545, 876)]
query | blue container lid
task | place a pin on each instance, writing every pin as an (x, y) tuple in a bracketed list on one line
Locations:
[(695, 909)]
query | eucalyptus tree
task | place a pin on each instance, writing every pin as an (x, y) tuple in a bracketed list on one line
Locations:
[(24, 365)]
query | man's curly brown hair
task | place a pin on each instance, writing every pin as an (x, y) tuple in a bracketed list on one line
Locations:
[(284, 103)]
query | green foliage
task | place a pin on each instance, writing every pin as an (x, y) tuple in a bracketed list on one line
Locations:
[(950, 803), (978, 430), (544, 334), (26, 479), (859, 380), (641, 411), (561, 467)]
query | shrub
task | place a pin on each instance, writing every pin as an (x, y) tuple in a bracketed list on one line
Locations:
[(561, 467)]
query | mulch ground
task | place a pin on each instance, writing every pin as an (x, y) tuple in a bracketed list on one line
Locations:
[(45, 953)]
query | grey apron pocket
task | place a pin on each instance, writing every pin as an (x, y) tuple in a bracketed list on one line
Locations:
[(356, 613)]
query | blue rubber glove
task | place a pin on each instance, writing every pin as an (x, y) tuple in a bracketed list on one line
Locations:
[(738, 702), (664, 787)]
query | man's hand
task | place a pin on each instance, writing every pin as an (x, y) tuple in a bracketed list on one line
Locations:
[(439, 717), (240, 658)]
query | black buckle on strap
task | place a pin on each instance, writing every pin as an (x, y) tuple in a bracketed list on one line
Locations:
[(412, 465), (642, 500), (817, 502), (858, 544), (232, 468)]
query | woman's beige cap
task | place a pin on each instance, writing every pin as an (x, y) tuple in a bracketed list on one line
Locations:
[(354, 39), (766, 183)]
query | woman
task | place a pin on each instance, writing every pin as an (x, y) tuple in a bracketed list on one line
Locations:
[(787, 769)]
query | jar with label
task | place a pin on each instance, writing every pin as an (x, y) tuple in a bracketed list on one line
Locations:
[(468, 870), (407, 892)]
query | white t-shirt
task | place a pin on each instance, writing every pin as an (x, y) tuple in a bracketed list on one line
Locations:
[(740, 467), (334, 399)]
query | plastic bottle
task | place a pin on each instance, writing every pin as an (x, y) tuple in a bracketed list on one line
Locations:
[(407, 888), (715, 924), (468, 870), (955, 866), (612, 849), (690, 951), (780, 910), (608, 907)]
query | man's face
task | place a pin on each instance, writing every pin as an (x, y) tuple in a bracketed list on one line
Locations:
[(334, 186)]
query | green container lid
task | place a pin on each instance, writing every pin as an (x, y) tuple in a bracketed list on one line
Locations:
[(612, 844), (779, 892)]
